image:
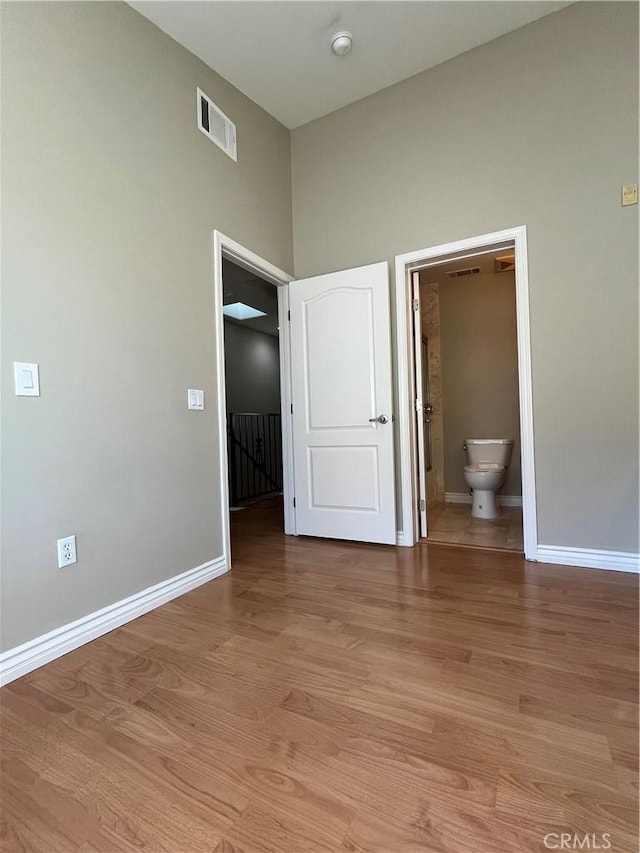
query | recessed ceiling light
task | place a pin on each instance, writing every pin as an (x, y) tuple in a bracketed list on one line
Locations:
[(341, 43), (240, 311)]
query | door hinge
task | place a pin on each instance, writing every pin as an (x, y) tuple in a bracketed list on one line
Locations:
[(292, 408), (418, 406), (421, 505), (294, 503), (416, 304), (289, 316)]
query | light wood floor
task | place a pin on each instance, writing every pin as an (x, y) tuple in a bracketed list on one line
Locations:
[(454, 523), (327, 696)]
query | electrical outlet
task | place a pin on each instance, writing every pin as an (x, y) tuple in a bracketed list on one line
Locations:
[(67, 551)]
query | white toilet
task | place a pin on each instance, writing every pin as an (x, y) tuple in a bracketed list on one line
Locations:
[(487, 463)]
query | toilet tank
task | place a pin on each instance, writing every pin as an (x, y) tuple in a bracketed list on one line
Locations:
[(492, 451)]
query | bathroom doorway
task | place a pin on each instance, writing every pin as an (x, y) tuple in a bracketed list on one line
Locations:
[(424, 433), (465, 339)]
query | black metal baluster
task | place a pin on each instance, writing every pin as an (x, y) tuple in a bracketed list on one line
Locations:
[(255, 455)]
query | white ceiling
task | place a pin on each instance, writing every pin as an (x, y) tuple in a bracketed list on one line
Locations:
[(277, 51)]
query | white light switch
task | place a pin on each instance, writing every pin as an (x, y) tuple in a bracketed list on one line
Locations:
[(26, 379), (195, 399)]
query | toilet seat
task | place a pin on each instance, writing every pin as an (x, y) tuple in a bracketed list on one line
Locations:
[(493, 467)]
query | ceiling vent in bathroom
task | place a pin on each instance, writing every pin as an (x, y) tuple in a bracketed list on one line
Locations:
[(506, 263), (216, 125), (463, 273)]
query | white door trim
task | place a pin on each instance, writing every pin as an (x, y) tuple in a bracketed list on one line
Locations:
[(418, 415), (225, 247), (406, 263)]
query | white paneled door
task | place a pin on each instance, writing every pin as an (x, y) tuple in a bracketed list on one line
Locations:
[(342, 405)]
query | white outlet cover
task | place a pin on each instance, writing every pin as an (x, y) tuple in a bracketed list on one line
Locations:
[(195, 399), (67, 554), (26, 378)]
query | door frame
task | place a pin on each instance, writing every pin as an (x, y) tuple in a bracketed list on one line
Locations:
[(405, 264), (225, 247), (420, 372)]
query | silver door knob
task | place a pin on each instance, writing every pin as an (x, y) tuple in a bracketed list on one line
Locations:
[(428, 409), (381, 419)]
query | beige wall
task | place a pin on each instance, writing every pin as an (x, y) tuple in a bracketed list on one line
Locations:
[(479, 371), (110, 196), (538, 128)]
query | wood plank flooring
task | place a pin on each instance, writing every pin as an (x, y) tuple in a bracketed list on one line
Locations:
[(327, 696)]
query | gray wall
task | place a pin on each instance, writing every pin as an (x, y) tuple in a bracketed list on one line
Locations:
[(252, 365), (110, 197), (478, 347), (538, 128)]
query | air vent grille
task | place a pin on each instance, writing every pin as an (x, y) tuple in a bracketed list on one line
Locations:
[(216, 125), (463, 273)]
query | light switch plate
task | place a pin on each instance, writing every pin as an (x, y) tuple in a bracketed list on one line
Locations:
[(26, 379), (629, 194), (195, 399)]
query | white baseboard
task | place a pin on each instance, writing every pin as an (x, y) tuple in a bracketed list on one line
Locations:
[(465, 498), (29, 656), (617, 561), (457, 498), (509, 500)]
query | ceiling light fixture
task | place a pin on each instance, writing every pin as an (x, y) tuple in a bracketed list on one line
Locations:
[(240, 311), (341, 43)]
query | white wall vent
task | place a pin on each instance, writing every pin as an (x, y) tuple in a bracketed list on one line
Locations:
[(463, 273), (216, 125)]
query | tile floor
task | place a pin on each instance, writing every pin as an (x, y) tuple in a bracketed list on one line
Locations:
[(453, 523)]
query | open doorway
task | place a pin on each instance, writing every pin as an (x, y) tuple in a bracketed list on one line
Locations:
[(511, 245), (252, 383), (465, 344), (256, 449)]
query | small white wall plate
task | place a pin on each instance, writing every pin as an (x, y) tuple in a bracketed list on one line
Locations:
[(195, 399), (27, 379)]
